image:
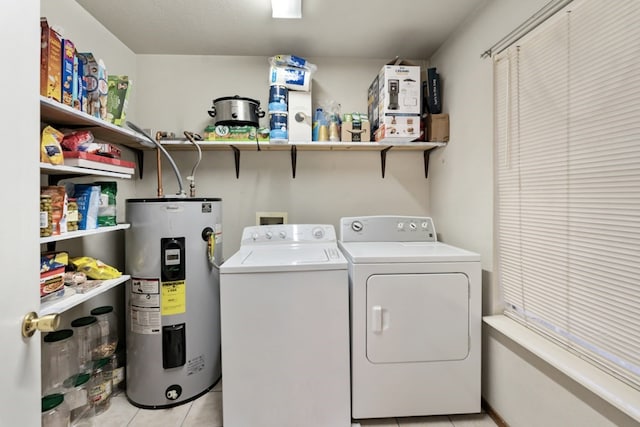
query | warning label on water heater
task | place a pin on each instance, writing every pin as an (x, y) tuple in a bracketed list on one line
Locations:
[(144, 303), (174, 297)]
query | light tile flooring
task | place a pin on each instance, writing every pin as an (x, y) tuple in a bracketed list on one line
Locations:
[(207, 411)]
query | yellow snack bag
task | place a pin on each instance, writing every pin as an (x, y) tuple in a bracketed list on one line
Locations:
[(95, 269), (50, 148)]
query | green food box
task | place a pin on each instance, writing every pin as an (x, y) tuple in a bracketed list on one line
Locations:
[(117, 99)]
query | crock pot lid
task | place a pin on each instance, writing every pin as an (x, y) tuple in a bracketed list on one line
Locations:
[(236, 98)]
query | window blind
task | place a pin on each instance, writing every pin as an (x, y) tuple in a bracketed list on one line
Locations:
[(567, 169)]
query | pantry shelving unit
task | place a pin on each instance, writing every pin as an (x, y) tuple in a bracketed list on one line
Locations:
[(59, 115), (294, 147)]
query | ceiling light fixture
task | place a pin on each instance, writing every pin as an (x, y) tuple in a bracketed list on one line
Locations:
[(287, 9)]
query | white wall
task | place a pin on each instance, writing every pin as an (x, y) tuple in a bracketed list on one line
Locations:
[(523, 389)]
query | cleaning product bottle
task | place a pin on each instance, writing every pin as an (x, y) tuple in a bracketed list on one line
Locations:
[(317, 119)]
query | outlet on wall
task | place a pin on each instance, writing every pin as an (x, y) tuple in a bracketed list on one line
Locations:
[(271, 218)]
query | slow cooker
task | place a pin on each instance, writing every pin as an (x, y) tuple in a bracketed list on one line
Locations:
[(236, 111)]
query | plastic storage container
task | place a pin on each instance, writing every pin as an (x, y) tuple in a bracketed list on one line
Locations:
[(101, 386), (87, 337), (59, 360), (77, 399), (108, 340), (55, 412)]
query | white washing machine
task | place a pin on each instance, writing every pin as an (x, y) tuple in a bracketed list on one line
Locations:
[(415, 319), (284, 300)]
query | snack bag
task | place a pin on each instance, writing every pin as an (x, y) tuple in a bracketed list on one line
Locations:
[(107, 208), (50, 148), (95, 269)]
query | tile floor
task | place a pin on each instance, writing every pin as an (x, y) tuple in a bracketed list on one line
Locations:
[(207, 411)]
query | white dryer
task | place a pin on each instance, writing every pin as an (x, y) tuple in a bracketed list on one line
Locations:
[(284, 300), (415, 319)]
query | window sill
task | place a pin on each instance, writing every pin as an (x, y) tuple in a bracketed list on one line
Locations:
[(613, 391)]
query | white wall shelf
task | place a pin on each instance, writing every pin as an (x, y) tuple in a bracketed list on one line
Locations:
[(60, 115), (64, 170), (72, 299), (56, 113), (83, 233)]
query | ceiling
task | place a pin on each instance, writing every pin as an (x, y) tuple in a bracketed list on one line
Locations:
[(329, 28)]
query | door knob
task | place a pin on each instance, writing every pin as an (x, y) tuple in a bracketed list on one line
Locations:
[(32, 323)]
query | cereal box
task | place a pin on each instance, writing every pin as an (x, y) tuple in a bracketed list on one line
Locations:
[(50, 62), (68, 56), (117, 99)]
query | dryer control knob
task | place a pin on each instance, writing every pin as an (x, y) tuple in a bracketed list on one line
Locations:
[(413, 226), (357, 226), (282, 234), (318, 233), (254, 236), (425, 225), (401, 226), (268, 235)]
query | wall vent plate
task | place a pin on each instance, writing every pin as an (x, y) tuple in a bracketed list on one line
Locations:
[(271, 218)]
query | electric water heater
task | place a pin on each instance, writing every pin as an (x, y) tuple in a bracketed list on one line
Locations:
[(173, 250)]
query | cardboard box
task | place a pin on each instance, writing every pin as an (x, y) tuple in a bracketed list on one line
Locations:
[(356, 131), (299, 116), (76, 93), (68, 57), (399, 99), (290, 77), (95, 77), (235, 133), (96, 161), (118, 99), (50, 62), (372, 104), (438, 128)]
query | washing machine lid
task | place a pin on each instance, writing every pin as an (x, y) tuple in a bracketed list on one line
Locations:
[(404, 252), (276, 258)]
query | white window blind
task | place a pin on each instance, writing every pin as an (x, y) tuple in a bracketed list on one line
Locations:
[(567, 164)]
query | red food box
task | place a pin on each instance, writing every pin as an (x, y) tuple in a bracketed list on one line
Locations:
[(51, 281)]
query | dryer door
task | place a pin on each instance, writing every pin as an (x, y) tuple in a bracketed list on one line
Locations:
[(417, 317)]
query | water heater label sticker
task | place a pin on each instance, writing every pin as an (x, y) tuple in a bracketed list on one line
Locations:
[(195, 365), (145, 286), (174, 297), (145, 306), (145, 320)]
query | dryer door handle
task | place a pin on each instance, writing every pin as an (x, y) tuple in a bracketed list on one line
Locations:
[(376, 318)]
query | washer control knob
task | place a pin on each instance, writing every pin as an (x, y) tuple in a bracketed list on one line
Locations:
[(254, 236), (283, 234), (318, 233), (425, 225), (268, 235), (401, 226), (357, 226), (413, 226)]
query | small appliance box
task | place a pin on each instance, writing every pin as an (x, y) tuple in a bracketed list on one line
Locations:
[(399, 96), (299, 116)]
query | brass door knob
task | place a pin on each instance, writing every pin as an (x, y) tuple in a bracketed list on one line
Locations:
[(32, 323)]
